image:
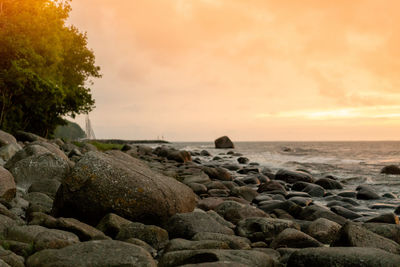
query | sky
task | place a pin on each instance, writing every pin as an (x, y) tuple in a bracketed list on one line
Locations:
[(255, 70)]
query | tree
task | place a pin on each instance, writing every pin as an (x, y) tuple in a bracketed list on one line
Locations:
[(45, 66)]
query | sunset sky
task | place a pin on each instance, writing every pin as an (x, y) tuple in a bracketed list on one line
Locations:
[(193, 70)]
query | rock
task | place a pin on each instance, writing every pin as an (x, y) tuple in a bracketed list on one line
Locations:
[(151, 234), (218, 193), (205, 153), (346, 213), (8, 151), (301, 201), (385, 218), (288, 206), (353, 235), (36, 168), (7, 185), (245, 192), (29, 150), (218, 173), (324, 230), (342, 257), (142, 244), (246, 257), (220, 219), (41, 237), (293, 238), (292, 177), (243, 160), (313, 212), (6, 222), (93, 253), (39, 199), (216, 264), (314, 190), (11, 259), (390, 231), (247, 170), (28, 137), (83, 231), (173, 154), (271, 186), (183, 244), (198, 188), (235, 213), (209, 203), (366, 192), (111, 224), (6, 138), (100, 184), (234, 242), (391, 169), (327, 183), (186, 225), (224, 142), (261, 229), (54, 239), (52, 148), (45, 186), (351, 194)]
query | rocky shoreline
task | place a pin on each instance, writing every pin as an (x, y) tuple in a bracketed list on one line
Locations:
[(64, 205)]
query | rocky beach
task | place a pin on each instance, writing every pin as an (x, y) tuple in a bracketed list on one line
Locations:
[(69, 204)]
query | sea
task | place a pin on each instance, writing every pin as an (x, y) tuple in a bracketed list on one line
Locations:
[(352, 163)]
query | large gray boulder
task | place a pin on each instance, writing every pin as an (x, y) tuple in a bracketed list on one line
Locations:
[(7, 185), (102, 253), (39, 167), (100, 184), (8, 151), (224, 142), (343, 257)]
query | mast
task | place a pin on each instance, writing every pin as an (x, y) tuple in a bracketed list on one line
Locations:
[(89, 130)]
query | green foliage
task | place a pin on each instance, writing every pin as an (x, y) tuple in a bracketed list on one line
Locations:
[(45, 66), (105, 146), (70, 131)]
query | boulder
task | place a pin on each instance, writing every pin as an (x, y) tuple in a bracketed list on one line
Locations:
[(209, 256), (391, 169), (83, 231), (261, 229), (45, 186), (366, 192), (271, 186), (292, 177), (8, 151), (6, 138), (173, 154), (186, 225), (346, 213), (151, 234), (100, 184), (243, 160), (224, 142), (36, 168), (354, 235), (313, 212), (29, 150), (342, 257), (324, 230), (11, 259), (314, 190), (390, 231), (183, 244), (234, 242), (28, 137), (293, 238), (385, 218), (7, 185), (328, 183), (218, 173), (93, 253), (111, 224)]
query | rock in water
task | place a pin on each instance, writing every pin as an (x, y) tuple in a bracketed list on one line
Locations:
[(100, 184), (391, 169), (224, 142)]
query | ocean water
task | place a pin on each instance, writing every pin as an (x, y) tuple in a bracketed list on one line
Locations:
[(353, 163)]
